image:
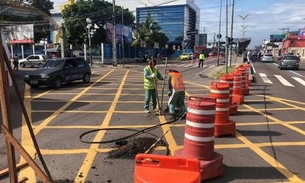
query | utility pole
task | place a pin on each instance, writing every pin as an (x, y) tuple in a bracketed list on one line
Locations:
[(227, 44), (219, 35), (114, 63), (232, 19), (123, 37)]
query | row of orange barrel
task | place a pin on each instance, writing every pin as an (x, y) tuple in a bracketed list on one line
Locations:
[(207, 117)]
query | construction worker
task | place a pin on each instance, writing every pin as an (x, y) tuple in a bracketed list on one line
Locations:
[(176, 92), (201, 59), (151, 75)]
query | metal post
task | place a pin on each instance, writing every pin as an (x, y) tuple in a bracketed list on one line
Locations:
[(232, 18), (219, 35), (89, 24), (114, 35), (102, 52), (227, 45), (123, 36), (90, 50), (63, 38)]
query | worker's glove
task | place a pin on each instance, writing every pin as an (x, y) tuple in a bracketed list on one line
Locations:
[(153, 75)]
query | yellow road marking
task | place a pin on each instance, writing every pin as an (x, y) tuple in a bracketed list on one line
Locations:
[(61, 109), (273, 162), (269, 159), (88, 161), (28, 172), (26, 140)]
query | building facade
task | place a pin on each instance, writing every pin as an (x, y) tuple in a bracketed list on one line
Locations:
[(179, 22)]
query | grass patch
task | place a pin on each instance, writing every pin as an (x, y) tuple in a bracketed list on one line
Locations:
[(217, 74)]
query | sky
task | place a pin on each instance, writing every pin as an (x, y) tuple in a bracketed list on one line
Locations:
[(255, 19)]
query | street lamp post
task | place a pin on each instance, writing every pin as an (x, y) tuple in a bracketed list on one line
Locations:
[(114, 35), (89, 24), (243, 26), (63, 38)]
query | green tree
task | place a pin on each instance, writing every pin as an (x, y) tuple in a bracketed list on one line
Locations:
[(99, 12), (149, 32)]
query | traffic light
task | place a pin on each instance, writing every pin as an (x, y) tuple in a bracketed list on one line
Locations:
[(229, 41)]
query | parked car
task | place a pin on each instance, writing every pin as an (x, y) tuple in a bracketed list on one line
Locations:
[(33, 61), (58, 71), (267, 57), (288, 61), (185, 56)]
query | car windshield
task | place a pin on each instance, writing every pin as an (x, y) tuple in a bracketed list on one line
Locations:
[(290, 57), (268, 54), (54, 63)]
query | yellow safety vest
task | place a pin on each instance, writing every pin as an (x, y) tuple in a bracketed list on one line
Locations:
[(149, 83), (201, 56)]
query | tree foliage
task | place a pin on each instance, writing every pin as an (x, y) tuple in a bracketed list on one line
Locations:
[(150, 33), (99, 12), (41, 29)]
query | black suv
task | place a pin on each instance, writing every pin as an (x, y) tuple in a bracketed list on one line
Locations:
[(57, 71)]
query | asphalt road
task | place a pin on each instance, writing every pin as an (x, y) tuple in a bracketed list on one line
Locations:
[(268, 145)]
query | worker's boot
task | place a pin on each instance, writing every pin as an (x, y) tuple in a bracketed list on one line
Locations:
[(172, 117)]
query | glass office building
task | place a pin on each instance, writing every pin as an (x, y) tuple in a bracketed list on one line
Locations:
[(175, 21)]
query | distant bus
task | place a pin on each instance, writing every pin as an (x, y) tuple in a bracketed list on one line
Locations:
[(198, 50)]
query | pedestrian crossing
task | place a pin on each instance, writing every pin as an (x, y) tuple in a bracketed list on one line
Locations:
[(183, 65), (284, 81)]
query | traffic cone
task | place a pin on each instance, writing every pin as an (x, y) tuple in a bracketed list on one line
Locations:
[(237, 95), (199, 137), (244, 87), (221, 92), (228, 78)]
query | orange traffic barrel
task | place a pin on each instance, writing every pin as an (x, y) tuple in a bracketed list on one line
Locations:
[(238, 97), (152, 168), (228, 78), (248, 71), (244, 86), (199, 128), (221, 92)]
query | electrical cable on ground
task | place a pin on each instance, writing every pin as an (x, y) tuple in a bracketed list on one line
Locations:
[(137, 132)]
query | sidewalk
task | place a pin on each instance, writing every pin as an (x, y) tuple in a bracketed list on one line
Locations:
[(210, 72)]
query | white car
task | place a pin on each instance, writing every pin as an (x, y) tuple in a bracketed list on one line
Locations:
[(267, 57), (33, 61)]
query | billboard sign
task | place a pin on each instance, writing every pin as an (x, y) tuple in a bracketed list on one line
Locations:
[(19, 33), (122, 31), (277, 37)]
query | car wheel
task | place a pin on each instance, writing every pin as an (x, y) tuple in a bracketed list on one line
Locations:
[(86, 78), (22, 64), (297, 68), (57, 82)]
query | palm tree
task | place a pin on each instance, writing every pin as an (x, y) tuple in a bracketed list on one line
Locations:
[(147, 32)]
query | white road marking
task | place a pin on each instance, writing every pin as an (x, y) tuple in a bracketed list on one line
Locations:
[(265, 78), (283, 80), (296, 73), (299, 80), (254, 71)]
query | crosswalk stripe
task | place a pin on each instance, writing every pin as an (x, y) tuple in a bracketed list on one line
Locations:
[(265, 78), (283, 80), (299, 80)]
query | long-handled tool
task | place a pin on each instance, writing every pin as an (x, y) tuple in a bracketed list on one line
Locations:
[(157, 97), (163, 85)]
